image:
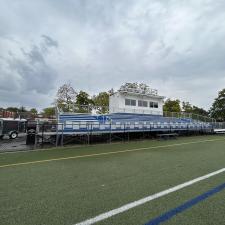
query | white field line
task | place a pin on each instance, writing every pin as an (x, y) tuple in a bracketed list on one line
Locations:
[(142, 201)]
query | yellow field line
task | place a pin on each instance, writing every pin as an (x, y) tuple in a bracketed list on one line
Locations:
[(107, 153)]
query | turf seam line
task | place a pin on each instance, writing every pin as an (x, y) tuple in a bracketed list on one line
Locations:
[(188, 204), (149, 198), (107, 153)]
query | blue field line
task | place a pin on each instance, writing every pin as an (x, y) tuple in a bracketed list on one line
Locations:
[(169, 214)]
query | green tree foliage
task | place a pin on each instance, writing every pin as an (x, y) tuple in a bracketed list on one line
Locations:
[(66, 96), (102, 101), (217, 111), (23, 109), (33, 111), (187, 107), (49, 112), (83, 98), (13, 109), (172, 106), (21, 112), (83, 102), (199, 111)]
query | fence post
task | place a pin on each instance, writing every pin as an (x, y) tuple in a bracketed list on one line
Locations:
[(36, 136), (124, 132), (88, 125), (91, 133), (110, 132), (62, 136), (42, 136), (57, 136)]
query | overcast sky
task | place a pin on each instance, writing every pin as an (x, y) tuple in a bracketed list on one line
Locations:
[(175, 46)]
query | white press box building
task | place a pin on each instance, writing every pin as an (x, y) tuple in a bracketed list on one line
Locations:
[(130, 100)]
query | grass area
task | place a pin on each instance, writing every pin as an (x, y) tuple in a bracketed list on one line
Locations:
[(86, 181)]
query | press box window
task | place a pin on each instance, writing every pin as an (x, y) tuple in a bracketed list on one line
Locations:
[(156, 105), (127, 101), (142, 103), (151, 104), (130, 102)]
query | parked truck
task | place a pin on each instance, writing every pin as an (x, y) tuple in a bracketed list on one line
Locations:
[(12, 127)]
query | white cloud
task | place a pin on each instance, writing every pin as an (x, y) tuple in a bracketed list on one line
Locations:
[(175, 46)]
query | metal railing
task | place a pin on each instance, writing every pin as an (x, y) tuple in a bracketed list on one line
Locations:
[(94, 109), (146, 111), (189, 115), (218, 125), (74, 108)]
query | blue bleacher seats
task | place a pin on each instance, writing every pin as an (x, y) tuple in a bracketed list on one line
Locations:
[(119, 120)]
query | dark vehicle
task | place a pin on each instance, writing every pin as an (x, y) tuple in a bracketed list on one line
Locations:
[(12, 127)]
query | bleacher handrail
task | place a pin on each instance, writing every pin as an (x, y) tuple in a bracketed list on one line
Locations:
[(192, 116), (102, 110)]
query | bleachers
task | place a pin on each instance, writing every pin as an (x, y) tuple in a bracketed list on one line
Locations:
[(82, 118), (117, 122), (122, 117)]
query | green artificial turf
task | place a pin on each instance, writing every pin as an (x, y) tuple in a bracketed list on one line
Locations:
[(70, 191)]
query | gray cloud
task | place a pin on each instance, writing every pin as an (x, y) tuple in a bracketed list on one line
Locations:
[(27, 72), (175, 46)]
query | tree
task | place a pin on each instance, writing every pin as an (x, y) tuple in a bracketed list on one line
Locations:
[(172, 106), (187, 107), (22, 109), (217, 111), (83, 98), (83, 102), (12, 109), (102, 101), (33, 111), (19, 112), (199, 111), (49, 112), (66, 96)]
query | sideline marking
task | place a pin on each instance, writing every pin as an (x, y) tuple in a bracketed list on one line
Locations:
[(188, 204), (149, 198), (108, 153)]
